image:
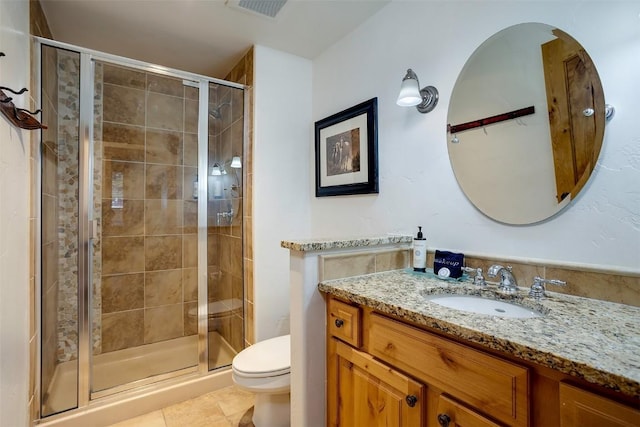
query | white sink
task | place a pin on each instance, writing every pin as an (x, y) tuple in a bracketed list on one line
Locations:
[(480, 305)]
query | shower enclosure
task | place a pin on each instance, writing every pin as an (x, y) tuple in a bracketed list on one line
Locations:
[(141, 186)]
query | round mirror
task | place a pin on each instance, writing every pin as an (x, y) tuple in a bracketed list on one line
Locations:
[(525, 123)]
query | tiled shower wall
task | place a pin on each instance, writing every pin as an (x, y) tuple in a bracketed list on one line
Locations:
[(149, 209), (67, 208), (242, 73)]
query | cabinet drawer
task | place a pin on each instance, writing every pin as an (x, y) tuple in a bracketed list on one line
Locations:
[(344, 322), (580, 408), (453, 414), (494, 386)]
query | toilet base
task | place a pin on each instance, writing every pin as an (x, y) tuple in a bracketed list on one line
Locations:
[(272, 410)]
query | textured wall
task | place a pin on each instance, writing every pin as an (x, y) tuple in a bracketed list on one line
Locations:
[(417, 185), (17, 326)]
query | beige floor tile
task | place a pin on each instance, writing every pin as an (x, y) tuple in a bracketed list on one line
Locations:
[(242, 419), (152, 419), (227, 407), (200, 411), (234, 400)]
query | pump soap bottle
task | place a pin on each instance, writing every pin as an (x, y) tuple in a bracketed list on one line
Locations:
[(420, 252)]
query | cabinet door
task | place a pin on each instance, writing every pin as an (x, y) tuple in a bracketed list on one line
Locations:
[(453, 414), (494, 386), (579, 408), (372, 394)]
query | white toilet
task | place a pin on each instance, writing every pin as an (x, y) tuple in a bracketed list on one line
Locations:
[(264, 369)]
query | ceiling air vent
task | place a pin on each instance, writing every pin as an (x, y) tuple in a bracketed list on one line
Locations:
[(267, 8)]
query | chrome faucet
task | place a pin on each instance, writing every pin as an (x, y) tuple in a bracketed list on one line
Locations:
[(508, 283)]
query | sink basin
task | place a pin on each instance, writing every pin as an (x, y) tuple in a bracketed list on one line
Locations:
[(480, 305)]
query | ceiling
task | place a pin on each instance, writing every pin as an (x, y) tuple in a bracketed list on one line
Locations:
[(202, 36)]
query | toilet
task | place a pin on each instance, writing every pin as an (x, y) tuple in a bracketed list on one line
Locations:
[(264, 369)]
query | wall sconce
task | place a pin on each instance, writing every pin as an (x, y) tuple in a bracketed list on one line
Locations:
[(215, 182), (236, 163), (424, 99), (216, 170)]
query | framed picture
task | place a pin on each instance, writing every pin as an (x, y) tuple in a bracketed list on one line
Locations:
[(347, 151)]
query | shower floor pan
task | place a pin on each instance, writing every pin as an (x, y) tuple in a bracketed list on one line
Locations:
[(125, 366)]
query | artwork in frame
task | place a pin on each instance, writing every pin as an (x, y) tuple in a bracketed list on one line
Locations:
[(347, 151)]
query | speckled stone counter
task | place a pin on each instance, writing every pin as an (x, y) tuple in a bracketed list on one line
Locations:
[(318, 244), (595, 340)]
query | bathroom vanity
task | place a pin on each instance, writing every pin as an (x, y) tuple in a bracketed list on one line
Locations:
[(394, 355)]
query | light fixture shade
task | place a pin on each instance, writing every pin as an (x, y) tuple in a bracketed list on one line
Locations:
[(215, 170), (409, 90), (236, 163)]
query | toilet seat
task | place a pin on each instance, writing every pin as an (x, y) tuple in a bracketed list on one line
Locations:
[(268, 358)]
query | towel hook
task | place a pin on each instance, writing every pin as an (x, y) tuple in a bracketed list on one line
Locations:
[(20, 92)]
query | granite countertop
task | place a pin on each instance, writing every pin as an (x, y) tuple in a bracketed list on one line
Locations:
[(323, 244), (595, 340)]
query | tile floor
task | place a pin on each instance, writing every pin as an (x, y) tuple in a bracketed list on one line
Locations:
[(227, 407)]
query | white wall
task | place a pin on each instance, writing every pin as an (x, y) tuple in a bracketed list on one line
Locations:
[(14, 221), (281, 185), (417, 185)]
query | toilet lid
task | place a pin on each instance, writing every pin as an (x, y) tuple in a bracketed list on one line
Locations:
[(270, 357)]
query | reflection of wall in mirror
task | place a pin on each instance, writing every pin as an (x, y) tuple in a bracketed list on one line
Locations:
[(495, 163)]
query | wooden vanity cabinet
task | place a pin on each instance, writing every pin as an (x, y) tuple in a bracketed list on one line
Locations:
[(376, 362), (362, 391), (406, 377)]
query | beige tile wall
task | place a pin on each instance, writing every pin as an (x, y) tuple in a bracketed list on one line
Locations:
[(607, 285), (356, 264), (598, 283), (149, 245), (243, 73)]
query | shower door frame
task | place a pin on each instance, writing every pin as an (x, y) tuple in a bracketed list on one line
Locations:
[(87, 225)]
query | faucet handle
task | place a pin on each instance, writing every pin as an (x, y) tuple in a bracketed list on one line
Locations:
[(537, 289), (478, 279)]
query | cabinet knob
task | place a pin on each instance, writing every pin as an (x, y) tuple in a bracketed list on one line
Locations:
[(411, 400), (339, 323), (444, 420)]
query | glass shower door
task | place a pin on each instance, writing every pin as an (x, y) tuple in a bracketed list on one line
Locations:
[(145, 286), (60, 186), (225, 213), (142, 275)]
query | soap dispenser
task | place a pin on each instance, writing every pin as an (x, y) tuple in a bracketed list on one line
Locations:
[(420, 252)]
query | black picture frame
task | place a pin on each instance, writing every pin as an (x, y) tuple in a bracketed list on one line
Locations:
[(346, 146)]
